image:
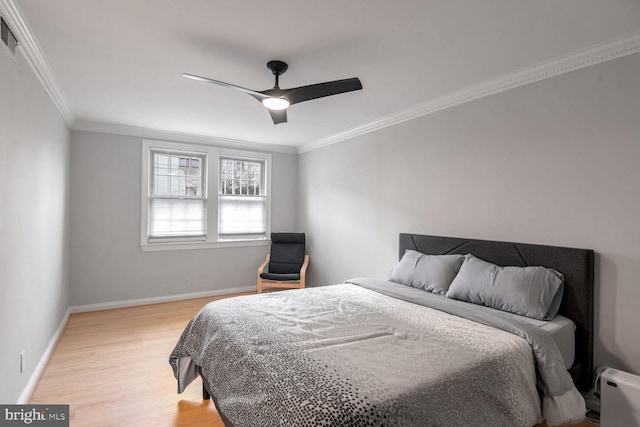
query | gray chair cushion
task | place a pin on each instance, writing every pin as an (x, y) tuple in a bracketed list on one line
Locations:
[(280, 277), (287, 253)]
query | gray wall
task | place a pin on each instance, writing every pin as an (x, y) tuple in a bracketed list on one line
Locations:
[(107, 263), (34, 291), (555, 162)]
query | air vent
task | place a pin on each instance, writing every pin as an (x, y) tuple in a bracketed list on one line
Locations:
[(8, 39)]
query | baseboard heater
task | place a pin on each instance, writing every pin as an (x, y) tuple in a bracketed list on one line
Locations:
[(620, 399)]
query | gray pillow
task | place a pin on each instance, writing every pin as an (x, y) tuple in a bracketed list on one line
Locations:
[(432, 273), (534, 292)]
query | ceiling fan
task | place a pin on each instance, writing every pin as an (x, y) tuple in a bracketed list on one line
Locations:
[(278, 100)]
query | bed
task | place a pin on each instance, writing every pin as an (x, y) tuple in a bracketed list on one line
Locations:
[(375, 352)]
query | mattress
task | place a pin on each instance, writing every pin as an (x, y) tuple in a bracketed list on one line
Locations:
[(561, 329)]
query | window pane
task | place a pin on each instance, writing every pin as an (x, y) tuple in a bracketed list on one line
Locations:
[(194, 185), (162, 185), (177, 217), (242, 215), (175, 186), (175, 167), (241, 177), (174, 175), (162, 160)]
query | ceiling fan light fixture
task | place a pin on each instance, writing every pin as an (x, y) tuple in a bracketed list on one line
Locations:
[(275, 103)]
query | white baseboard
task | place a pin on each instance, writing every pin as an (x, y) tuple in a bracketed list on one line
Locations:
[(28, 390), (157, 300)]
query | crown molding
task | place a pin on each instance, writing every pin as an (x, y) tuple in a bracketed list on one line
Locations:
[(577, 60), (34, 56), (116, 129)]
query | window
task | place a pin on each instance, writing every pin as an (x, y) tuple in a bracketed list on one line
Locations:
[(177, 197), (242, 199), (178, 212)]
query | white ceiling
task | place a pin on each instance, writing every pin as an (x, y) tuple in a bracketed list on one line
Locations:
[(120, 61)]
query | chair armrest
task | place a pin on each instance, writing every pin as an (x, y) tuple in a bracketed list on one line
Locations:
[(264, 264), (303, 269)]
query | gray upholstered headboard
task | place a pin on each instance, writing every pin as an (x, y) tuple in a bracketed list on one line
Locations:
[(575, 264)]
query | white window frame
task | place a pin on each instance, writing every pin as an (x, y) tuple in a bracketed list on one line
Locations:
[(213, 155)]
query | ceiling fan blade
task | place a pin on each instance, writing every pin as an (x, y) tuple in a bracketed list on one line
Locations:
[(257, 95), (320, 90), (278, 116)]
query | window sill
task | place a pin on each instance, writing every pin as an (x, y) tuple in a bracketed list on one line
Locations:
[(181, 246)]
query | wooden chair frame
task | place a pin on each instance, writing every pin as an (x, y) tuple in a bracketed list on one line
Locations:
[(284, 284)]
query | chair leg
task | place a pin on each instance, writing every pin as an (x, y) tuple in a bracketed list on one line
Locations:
[(264, 265)]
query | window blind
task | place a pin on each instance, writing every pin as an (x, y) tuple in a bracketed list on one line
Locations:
[(177, 218), (241, 215)]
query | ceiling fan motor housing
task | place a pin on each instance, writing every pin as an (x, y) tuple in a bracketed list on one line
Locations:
[(277, 67)]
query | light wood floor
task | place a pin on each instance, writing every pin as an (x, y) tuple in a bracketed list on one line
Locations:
[(112, 368)]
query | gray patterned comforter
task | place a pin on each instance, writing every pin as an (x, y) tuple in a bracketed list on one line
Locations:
[(344, 355)]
